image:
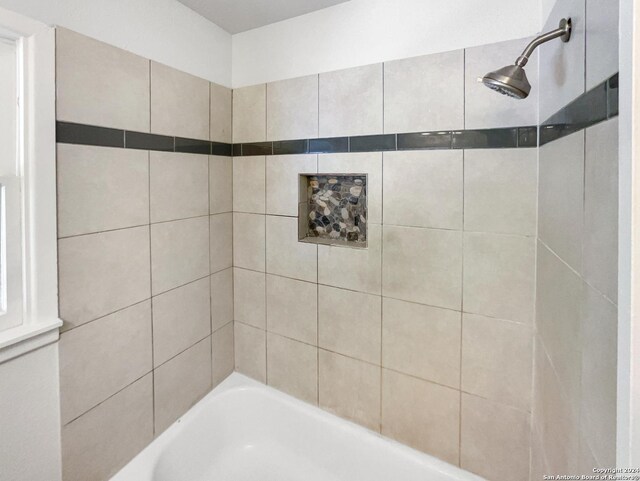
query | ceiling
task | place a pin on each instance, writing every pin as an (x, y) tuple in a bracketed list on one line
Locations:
[(237, 16)]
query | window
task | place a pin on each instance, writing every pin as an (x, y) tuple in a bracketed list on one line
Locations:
[(11, 265), (28, 240)]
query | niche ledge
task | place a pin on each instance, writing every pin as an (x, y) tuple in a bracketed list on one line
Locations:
[(332, 209)]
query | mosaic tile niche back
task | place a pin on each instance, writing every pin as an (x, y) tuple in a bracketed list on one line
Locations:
[(333, 209)]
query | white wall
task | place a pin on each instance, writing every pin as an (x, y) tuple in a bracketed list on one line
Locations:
[(162, 30), (30, 416), (362, 32), (545, 9)]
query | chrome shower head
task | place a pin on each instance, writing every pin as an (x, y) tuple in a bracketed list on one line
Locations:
[(512, 79)]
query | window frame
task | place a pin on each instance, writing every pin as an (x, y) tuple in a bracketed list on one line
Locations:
[(36, 146)]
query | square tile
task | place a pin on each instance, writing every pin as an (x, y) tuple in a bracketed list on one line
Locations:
[(101, 189), (292, 108), (250, 297), (561, 197), (293, 367), (221, 299), (249, 114), (179, 253), (220, 184), (222, 353), (220, 113), (558, 300), (369, 163), (179, 186), (599, 319), (180, 383), (350, 389), (501, 191), (423, 265), (249, 184), (565, 62), (423, 188), (221, 239), (421, 341), (99, 443), (494, 440), (102, 357), (181, 317), (98, 84), (499, 276), (250, 349), (285, 255), (422, 415), (349, 323), (292, 309), (282, 181), (102, 273), (485, 108), (424, 93), (600, 243), (354, 269), (249, 241), (179, 103), (497, 360), (351, 101)]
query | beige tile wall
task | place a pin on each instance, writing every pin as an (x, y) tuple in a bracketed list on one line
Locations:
[(427, 332), (574, 406), (576, 343), (145, 255)]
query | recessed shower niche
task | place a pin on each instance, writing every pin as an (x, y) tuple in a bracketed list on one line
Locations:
[(333, 209)]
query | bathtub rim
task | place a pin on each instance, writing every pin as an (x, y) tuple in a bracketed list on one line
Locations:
[(141, 467)]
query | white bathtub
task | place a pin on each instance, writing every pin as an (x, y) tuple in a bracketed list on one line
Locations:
[(245, 431)]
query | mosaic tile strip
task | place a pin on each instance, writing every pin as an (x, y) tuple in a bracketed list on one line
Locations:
[(334, 209)]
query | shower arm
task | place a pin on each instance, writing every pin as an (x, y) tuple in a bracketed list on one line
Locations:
[(563, 31)]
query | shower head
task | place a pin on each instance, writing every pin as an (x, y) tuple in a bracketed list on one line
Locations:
[(512, 79)]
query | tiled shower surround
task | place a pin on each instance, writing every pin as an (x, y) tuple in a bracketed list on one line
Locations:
[(433, 334), (427, 334), (145, 255)]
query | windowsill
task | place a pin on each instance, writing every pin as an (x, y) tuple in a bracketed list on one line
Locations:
[(20, 340)]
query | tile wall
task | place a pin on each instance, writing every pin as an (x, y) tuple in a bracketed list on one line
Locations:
[(479, 324), (426, 335), (145, 255), (574, 409)]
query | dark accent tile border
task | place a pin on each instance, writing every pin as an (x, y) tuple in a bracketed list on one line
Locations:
[(485, 139), (193, 146), (527, 136), (424, 141), (329, 145), (372, 143), (283, 147), (257, 148), (598, 104), (222, 149), (142, 141), (612, 96), (69, 133)]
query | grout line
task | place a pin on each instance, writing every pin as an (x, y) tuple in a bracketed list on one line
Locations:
[(111, 396), (432, 306), (461, 310)]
